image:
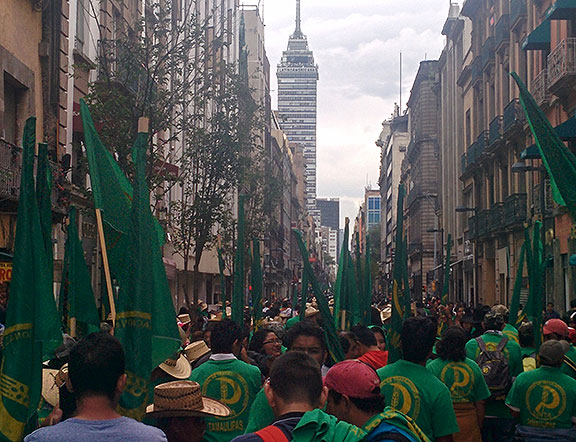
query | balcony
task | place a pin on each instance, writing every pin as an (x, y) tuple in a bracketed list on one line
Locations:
[(502, 32), (10, 167), (487, 52), (562, 65), (476, 70), (513, 117), (496, 217), (483, 217), (481, 143), (514, 210), (496, 132), (539, 88), (472, 226), (471, 154), (518, 12), (463, 163)]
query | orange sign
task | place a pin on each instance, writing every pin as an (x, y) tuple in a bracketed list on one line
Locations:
[(5, 271)]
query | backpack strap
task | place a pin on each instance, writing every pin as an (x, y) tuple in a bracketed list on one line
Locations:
[(481, 344), (272, 434), (569, 362), (502, 344)]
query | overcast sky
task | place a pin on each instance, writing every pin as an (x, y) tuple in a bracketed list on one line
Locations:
[(356, 45)]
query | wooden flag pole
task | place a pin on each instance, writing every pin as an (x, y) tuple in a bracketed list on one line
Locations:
[(106, 265)]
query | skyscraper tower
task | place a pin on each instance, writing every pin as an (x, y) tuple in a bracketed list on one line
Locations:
[(297, 90)]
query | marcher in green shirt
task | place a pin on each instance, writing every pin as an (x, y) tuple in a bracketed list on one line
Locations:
[(410, 388), (231, 381), (557, 329), (526, 336), (498, 423), (509, 330), (545, 399), (305, 337), (465, 381)]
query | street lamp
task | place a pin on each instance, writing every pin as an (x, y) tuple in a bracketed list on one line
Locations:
[(464, 209)]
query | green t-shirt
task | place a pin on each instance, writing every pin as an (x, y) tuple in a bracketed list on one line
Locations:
[(514, 354), (545, 398), (261, 414), (416, 392), (464, 379), (292, 322), (318, 426), (568, 368), (234, 383), (512, 333)]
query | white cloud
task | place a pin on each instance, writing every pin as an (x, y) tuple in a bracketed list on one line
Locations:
[(357, 46)]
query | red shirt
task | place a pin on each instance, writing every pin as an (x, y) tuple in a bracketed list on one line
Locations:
[(375, 358)]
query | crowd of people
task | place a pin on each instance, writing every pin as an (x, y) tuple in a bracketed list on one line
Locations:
[(464, 375)]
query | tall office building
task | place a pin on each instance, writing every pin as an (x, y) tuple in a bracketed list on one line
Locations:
[(297, 89)]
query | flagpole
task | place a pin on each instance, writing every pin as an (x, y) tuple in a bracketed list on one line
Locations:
[(106, 266)]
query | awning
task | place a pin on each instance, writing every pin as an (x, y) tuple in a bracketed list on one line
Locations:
[(566, 132), (530, 153), (539, 38), (562, 10)]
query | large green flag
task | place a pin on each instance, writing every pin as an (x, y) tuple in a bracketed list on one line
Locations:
[(221, 267), (32, 324), (446, 282), (367, 313), (146, 320), (304, 297), (357, 298), (341, 301), (44, 198), (256, 283), (238, 293), (76, 296), (334, 345), (515, 304), (535, 264), (559, 161), (400, 305)]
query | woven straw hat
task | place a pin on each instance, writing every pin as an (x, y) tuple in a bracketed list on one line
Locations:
[(196, 350), (184, 318), (178, 368), (50, 391), (310, 312), (182, 399)]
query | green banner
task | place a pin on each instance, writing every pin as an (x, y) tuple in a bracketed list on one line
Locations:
[(515, 304)]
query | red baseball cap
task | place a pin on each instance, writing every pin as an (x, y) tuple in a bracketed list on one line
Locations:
[(556, 326), (353, 378)]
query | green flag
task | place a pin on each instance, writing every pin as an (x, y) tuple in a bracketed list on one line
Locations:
[(334, 345), (515, 304), (146, 320), (399, 301), (256, 283), (304, 297), (221, 267), (446, 282), (357, 300), (367, 313), (341, 303), (559, 161), (76, 296), (32, 325), (238, 294), (44, 198)]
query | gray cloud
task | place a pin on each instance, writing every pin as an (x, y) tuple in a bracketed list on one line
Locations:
[(357, 46)]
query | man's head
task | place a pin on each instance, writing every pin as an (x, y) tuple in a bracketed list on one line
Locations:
[(365, 337), (555, 329), (208, 328), (307, 337), (353, 392), (493, 321), (552, 352), (350, 345), (225, 337), (526, 335), (418, 337), (503, 310), (550, 307), (295, 383), (97, 366)]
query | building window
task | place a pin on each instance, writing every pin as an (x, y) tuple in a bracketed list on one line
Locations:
[(14, 95)]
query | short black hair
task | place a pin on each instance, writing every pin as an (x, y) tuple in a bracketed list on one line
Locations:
[(305, 328), (296, 377), (418, 337), (223, 336), (258, 338), (345, 338), (452, 345), (96, 363), (526, 335), (373, 405), (365, 335)]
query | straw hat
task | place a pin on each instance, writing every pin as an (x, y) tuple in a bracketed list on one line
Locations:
[(386, 313), (50, 391), (196, 350), (184, 319), (310, 312), (182, 399), (177, 368)]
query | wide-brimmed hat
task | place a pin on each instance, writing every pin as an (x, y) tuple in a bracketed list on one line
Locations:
[(196, 350), (386, 313), (182, 399), (50, 391), (310, 312), (177, 366), (184, 318)]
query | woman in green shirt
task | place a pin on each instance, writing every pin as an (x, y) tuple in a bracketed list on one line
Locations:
[(464, 379)]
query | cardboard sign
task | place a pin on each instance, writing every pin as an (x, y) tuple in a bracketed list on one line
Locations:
[(5, 271)]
